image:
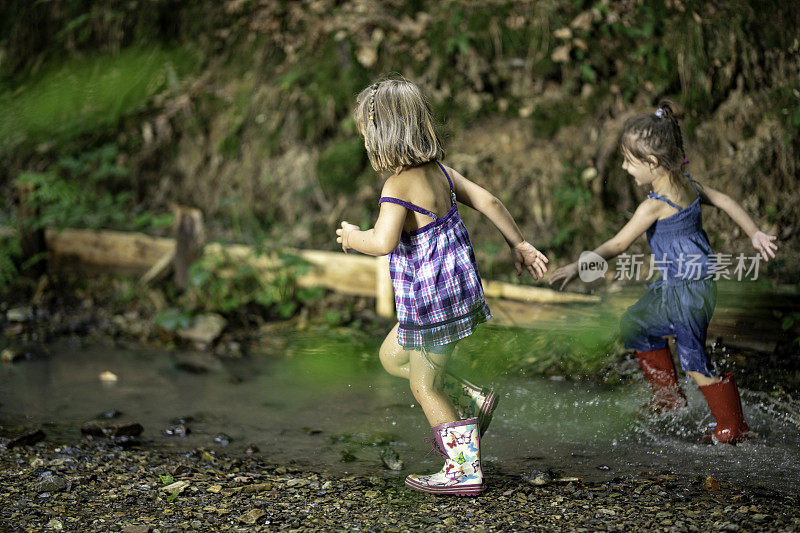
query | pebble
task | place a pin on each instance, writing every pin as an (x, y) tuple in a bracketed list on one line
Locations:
[(540, 478), (51, 483), (222, 439), (244, 493)]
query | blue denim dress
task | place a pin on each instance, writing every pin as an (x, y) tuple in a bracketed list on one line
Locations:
[(682, 301)]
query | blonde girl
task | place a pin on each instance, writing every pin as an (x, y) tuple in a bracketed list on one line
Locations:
[(438, 293)]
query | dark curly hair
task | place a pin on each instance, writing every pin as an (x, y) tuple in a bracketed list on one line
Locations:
[(658, 135)]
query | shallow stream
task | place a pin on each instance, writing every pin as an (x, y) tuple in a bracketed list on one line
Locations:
[(335, 410)]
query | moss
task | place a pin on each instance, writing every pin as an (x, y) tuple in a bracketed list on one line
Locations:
[(340, 164), (88, 94), (550, 116)]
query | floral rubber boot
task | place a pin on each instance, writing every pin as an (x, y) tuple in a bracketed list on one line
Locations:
[(459, 443)]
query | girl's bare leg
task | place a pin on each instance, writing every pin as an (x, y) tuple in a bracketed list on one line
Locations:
[(426, 373), (702, 380), (393, 358)]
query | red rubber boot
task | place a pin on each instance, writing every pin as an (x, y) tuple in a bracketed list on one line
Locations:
[(726, 406), (659, 371)]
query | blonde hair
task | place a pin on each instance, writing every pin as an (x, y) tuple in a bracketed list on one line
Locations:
[(396, 121)]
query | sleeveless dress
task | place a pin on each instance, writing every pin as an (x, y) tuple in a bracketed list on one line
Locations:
[(682, 301), (437, 288)]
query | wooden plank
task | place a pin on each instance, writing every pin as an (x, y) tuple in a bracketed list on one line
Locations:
[(99, 250), (526, 293), (347, 274)]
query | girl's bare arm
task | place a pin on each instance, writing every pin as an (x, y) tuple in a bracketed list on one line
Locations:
[(761, 241), (643, 218), (523, 253), (381, 239), (478, 198)]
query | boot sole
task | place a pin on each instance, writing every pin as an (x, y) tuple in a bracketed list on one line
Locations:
[(712, 439), (465, 490)]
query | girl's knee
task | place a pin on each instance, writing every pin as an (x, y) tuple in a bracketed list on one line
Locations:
[(423, 389), (392, 356), (386, 358)]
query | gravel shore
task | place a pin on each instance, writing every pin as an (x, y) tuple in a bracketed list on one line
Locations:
[(99, 487)]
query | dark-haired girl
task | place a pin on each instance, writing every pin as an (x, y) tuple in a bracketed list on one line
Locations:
[(682, 301)]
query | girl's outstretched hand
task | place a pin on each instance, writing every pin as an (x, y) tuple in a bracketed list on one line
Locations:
[(525, 255), (342, 234), (567, 273), (764, 244)]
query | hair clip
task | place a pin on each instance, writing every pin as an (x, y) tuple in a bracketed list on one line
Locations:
[(372, 102), (659, 113)]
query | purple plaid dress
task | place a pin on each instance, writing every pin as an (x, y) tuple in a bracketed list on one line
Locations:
[(437, 289)]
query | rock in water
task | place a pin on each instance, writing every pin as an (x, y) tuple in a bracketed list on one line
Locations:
[(197, 363), (179, 430), (205, 328), (391, 459), (222, 438), (540, 478), (123, 429), (28, 439)]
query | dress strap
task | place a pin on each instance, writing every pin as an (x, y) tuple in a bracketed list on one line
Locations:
[(407, 205), (452, 190), (656, 196)]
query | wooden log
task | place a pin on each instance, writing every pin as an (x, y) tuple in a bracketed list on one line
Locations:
[(31, 238), (346, 274), (189, 238), (526, 293), (106, 251), (159, 270), (136, 253)]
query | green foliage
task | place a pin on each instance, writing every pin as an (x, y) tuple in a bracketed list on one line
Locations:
[(340, 164), (10, 251), (550, 116), (224, 284), (789, 322), (88, 94), (572, 202), (87, 190), (172, 319), (328, 77), (583, 346)]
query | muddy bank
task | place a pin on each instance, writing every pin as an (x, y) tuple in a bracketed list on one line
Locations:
[(90, 487)]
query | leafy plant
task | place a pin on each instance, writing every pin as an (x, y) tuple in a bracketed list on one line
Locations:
[(86, 190), (340, 164), (10, 251), (225, 284), (172, 319)]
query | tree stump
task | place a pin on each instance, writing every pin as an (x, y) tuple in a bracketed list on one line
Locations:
[(189, 240)]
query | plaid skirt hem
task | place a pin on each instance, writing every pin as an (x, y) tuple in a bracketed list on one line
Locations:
[(417, 336)]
